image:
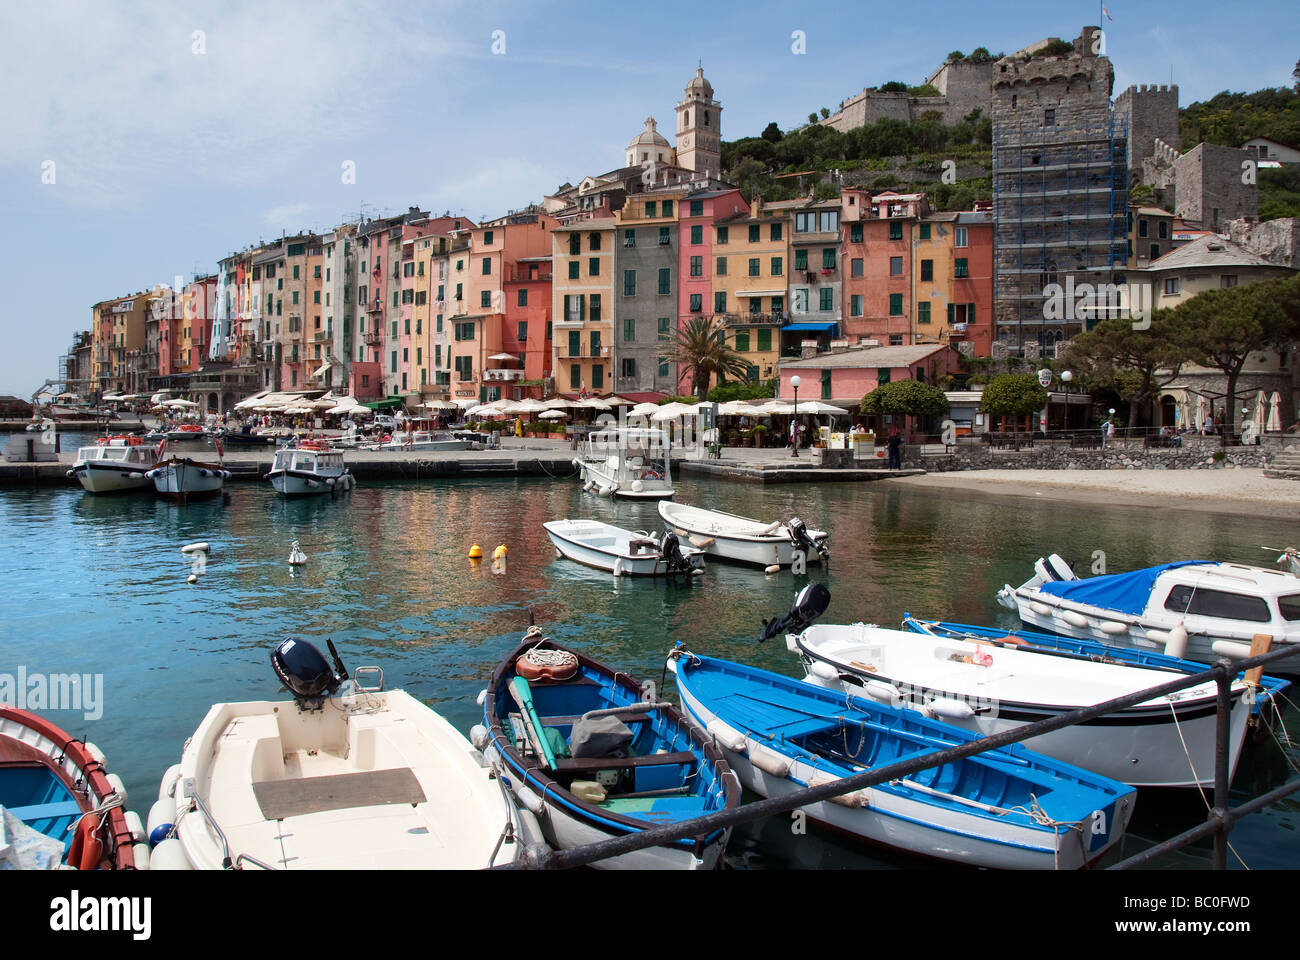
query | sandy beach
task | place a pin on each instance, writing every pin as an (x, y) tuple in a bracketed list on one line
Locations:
[(1237, 491)]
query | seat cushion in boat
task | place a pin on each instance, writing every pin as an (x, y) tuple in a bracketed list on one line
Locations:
[(281, 799), (658, 808)]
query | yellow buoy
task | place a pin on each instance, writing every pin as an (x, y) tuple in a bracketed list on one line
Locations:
[(499, 553), (476, 552)]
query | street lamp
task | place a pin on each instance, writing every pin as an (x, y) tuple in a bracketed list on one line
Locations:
[(1066, 377), (794, 424)]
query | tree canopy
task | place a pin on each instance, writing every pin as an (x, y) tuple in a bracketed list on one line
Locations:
[(905, 397), (700, 351), (1137, 363), (1013, 395)]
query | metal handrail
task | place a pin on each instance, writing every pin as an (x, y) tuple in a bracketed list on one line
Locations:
[(1220, 822)]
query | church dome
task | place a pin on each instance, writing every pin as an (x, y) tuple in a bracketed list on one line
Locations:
[(649, 146), (649, 136)]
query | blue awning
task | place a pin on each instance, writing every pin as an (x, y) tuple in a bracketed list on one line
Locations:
[(820, 327), (1121, 592)]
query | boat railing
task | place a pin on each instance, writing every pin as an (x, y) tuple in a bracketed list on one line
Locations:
[(226, 862), (1219, 822)]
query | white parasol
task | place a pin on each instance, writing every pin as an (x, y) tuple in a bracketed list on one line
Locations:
[(1274, 413), (553, 415), (674, 411)]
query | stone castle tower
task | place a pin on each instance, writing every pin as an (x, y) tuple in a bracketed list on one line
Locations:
[(699, 128), (1151, 113)]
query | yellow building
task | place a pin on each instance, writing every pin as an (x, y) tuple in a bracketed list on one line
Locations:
[(751, 266), (582, 303)]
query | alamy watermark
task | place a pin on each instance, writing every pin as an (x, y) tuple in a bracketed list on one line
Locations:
[(1098, 301), (53, 691)]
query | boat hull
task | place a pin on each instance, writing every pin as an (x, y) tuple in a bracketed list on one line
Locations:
[(615, 561), (109, 477), (709, 531), (291, 483), (604, 482), (188, 480)]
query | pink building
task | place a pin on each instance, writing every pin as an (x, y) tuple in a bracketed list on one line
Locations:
[(695, 256)]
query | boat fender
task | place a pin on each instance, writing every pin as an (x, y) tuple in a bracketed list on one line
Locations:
[(1042, 609), (116, 786), (86, 849), (1230, 648), (482, 697), (136, 475), (1176, 644), (140, 853), (478, 735), (1113, 627), (697, 571), (134, 825), (771, 528), (858, 798), (772, 568), (885, 693), (531, 801), (732, 740), (169, 855), (824, 670), (1074, 619), (96, 754), (161, 820), (151, 474), (949, 709), (769, 761), (1159, 636), (195, 548), (637, 486), (70, 473), (618, 566)]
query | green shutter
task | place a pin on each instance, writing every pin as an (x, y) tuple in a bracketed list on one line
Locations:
[(575, 343)]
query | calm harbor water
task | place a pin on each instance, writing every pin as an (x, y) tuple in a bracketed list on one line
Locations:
[(98, 585)]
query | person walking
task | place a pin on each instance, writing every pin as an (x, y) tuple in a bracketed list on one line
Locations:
[(895, 449), (1107, 431)]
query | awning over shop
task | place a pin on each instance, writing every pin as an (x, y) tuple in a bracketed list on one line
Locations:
[(387, 404), (811, 327), (320, 371)]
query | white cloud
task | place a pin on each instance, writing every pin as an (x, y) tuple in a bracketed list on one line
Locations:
[(280, 216)]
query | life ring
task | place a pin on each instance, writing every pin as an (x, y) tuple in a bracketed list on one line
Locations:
[(546, 665), (86, 849), (651, 475)]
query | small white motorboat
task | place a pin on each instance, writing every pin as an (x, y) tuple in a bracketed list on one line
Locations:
[(623, 552), (114, 464), (309, 468), (1198, 609), (744, 540), (426, 441), (344, 776), (627, 462), (180, 478), (987, 687)]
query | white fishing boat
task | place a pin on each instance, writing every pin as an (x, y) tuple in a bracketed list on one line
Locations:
[(344, 776), (1197, 609), (114, 464), (180, 478), (623, 552), (421, 440), (987, 687), (627, 462), (742, 539), (308, 469)]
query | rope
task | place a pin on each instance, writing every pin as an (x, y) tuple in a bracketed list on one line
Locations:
[(1199, 789)]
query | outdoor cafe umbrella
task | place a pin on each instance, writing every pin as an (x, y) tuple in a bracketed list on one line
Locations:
[(674, 411), (644, 410), (180, 403), (1261, 412), (554, 415), (1275, 413)]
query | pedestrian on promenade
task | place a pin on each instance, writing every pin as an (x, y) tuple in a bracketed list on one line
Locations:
[(1107, 431), (895, 449)]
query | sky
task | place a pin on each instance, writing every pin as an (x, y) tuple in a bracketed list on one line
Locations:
[(144, 140)]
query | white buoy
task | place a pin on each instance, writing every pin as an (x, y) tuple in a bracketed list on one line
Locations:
[(196, 548), (1176, 645), (192, 578), (296, 556)]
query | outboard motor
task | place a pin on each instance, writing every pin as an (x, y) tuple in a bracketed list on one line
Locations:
[(802, 540), (810, 604), (670, 551), (305, 673)]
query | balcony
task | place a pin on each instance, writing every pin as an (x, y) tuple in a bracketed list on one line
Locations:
[(372, 339), (322, 336), (502, 376), (518, 275)]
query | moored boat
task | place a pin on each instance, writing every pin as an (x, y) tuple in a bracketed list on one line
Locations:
[(114, 464), (628, 462), (1004, 808), (742, 539), (58, 802), (343, 776), (987, 687), (623, 552), (180, 478), (594, 757), (1197, 609), (309, 468)]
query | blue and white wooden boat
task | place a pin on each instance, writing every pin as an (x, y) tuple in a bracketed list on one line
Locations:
[(594, 756), (1196, 609), (1006, 808), (989, 685), (58, 803)]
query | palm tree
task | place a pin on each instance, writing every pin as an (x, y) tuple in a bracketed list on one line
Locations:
[(700, 349)]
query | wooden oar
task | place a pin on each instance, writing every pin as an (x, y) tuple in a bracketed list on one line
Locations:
[(523, 695)]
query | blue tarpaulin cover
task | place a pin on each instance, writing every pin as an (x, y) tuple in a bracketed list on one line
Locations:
[(1120, 592), (809, 326)]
